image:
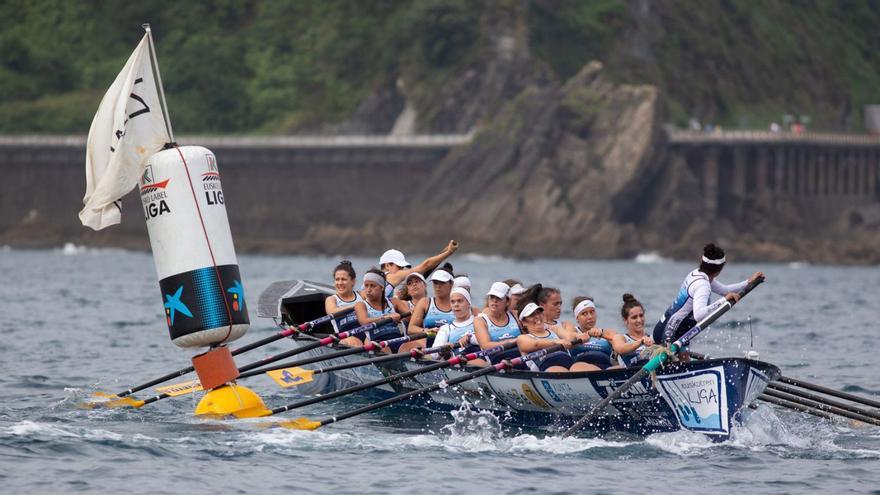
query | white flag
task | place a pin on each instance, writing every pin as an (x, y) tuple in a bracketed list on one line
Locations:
[(127, 130)]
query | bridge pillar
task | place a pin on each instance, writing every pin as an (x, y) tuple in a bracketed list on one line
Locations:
[(710, 182), (833, 168), (799, 179), (762, 170), (779, 169), (871, 182), (821, 170), (738, 178)]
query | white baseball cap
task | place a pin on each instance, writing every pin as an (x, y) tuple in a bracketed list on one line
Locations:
[(499, 290), (394, 256), (461, 281), (414, 275), (517, 289), (529, 310), (441, 276)]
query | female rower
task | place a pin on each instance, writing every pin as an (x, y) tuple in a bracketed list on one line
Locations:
[(431, 312), (594, 353), (514, 294), (463, 281), (496, 325), (631, 345), (536, 336), (415, 289), (396, 267), (345, 296), (375, 306), (692, 302), (550, 299), (461, 329)]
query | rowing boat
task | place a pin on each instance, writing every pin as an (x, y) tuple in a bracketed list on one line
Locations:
[(706, 396)]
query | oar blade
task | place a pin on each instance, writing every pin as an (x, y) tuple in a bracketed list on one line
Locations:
[(300, 424), (182, 388), (114, 401), (291, 377)]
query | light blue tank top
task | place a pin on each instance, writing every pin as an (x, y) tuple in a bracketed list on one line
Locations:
[(458, 330), (498, 333), (434, 317), (341, 303)]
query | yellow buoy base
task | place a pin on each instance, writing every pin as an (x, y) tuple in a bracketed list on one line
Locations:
[(232, 400)]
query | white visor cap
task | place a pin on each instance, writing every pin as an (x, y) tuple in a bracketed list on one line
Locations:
[(517, 290), (499, 290), (394, 256), (441, 276), (529, 310), (462, 281)]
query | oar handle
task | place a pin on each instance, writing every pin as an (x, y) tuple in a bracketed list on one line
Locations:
[(314, 345)]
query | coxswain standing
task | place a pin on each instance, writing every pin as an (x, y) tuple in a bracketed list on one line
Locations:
[(692, 302)]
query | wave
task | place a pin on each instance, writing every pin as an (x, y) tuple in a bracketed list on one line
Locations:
[(650, 258)]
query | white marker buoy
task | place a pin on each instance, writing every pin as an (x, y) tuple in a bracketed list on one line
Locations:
[(192, 246)]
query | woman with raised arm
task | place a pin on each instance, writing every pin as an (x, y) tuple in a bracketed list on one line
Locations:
[(692, 302), (397, 268), (631, 346), (496, 325)]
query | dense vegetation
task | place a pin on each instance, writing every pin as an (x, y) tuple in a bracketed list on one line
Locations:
[(248, 66)]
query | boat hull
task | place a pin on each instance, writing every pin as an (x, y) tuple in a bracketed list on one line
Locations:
[(702, 396)]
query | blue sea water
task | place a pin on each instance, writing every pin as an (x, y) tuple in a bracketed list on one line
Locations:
[(76, 321)]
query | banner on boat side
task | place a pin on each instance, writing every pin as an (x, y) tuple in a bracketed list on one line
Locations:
[(192, 247), (699, 399)]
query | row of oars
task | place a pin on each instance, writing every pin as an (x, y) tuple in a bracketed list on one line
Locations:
[(787, 392)]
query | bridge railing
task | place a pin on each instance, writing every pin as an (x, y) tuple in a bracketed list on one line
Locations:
[(767, 137), (342, 141)]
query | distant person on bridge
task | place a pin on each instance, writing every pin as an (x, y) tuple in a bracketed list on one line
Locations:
[(692, 302)]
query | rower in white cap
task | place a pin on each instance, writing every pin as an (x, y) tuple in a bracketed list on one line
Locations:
[(397, 268)]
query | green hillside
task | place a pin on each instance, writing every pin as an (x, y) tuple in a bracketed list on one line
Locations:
[(279, 67)]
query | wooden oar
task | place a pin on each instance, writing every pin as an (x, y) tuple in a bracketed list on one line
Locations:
[(307, 424), (299, 376), (118, 399), (462, 359), (329, 340), (657, 360)]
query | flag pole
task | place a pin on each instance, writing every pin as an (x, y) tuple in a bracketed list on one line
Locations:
[(154, 62)]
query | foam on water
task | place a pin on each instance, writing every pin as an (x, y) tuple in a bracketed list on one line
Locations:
[(650, 258)]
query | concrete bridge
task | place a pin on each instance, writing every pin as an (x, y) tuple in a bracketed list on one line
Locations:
[(819, 174), (281, 184)]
